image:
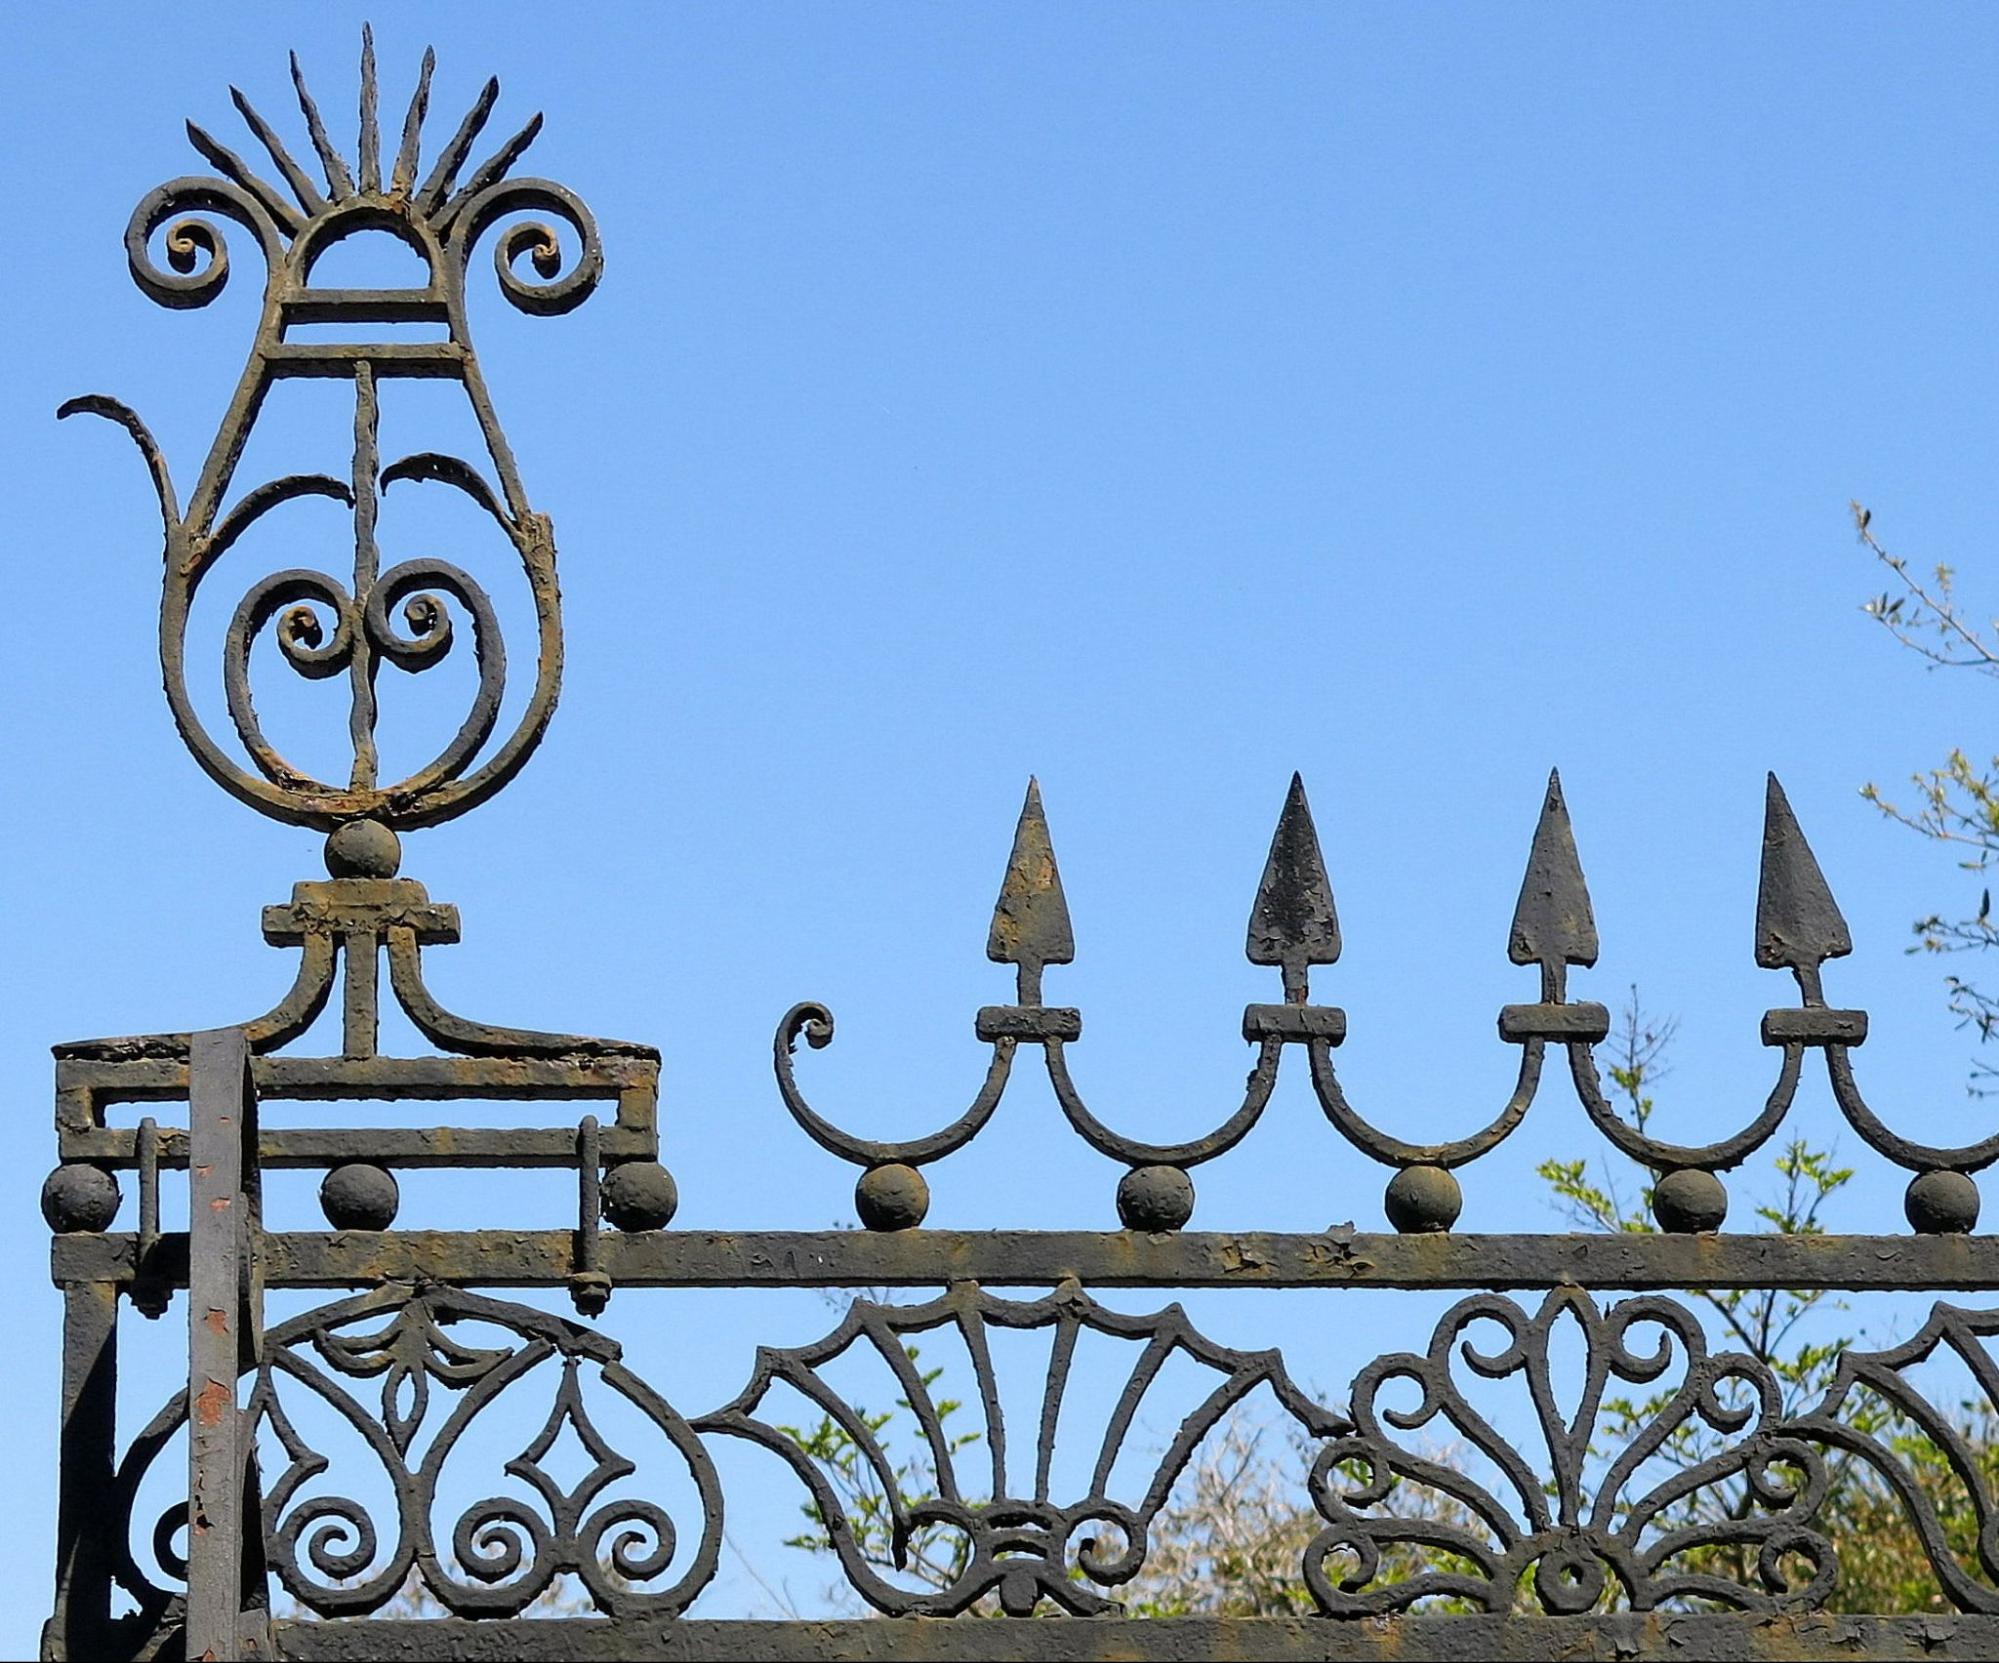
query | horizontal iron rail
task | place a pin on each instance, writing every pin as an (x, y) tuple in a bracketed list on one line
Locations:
[(1097, 1259), (146, 1079), (1158, 1640), (286, 1147)]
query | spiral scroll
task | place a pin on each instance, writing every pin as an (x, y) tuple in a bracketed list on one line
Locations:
[(537, 242), (196, 251)]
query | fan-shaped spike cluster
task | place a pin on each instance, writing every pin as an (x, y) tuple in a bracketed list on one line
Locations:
[(436, 199)]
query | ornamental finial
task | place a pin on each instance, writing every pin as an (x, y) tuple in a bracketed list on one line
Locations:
[(327, 626)]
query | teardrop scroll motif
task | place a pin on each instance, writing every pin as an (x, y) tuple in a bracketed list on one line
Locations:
[(321, 1546)]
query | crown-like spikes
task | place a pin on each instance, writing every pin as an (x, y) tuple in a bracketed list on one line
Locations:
[(435, 199)]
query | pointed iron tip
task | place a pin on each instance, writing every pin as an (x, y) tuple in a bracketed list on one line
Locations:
[(204, 141), (370, 151), (403, 176), (1553, 921), (436, 189), (1293, 921), (293, 175), (493, 169), (1798, 923), (1031, 916), (338, 180)]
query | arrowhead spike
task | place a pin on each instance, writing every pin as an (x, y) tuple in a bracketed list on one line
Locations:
[(1292, 922), (1553, 921), (1031, 918), (1798, 923)]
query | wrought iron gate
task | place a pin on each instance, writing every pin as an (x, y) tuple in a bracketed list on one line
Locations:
[(1564, 1554)]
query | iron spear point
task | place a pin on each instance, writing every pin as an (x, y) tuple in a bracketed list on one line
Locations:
[(1292, 923), (1798, 923), (1031, 917), (1553, 922)]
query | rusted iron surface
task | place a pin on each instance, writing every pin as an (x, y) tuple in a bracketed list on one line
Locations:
[(1096, 1258), (1565, 1555), (224, 1327), (81, 1624), (1683, 1638)]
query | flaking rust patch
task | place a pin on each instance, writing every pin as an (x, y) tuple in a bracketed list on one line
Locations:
[(212, 1402), (1238, 1255)]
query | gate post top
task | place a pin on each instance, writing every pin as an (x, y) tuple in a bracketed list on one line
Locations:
[(547, 260)]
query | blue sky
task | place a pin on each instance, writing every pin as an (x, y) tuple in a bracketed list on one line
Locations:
[(1153, 399)]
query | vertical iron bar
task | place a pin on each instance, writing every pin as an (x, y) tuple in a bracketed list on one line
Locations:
[(360, 993), (150, 1294), (367, 565), (588, 1184), (221, 1326), (589, 1286), (81, 1620), (149, 1185)]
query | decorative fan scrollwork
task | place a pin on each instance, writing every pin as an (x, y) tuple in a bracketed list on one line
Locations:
[(1021, 1548), (1579, 1533)]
